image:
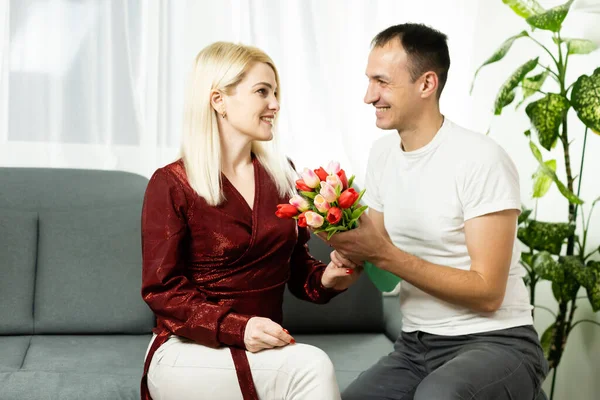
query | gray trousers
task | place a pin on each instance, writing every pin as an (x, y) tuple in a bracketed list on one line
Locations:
[(503, 364)]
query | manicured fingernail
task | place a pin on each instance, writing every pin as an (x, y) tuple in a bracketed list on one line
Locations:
[(349, 271), (286, 331), (292, 341)]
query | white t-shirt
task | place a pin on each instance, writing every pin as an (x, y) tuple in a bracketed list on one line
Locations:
[(426, 196)]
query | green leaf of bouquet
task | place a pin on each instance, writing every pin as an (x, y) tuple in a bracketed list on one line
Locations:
[(507, 92), (360, 195), (585, 98), (358, 212), (552, 19), (350, 181), (499, 54), (543, 181), (531, 85), (546, 115), (545, 236), (561, 186), (310, 195), (546, 340), (524, 8)]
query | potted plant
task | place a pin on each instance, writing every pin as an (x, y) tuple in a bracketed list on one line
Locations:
[(557, 252)]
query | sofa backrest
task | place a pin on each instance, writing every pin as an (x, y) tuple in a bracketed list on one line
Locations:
[(358, 309), (70, 254), (70, 260)]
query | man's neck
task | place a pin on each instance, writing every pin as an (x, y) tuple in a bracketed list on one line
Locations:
[(422, 131)]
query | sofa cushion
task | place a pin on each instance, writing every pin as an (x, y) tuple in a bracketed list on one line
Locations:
[(89, 272), (18, 231), (359, 309), (44, 385), (12, 352), (350, 353), (90, 354)]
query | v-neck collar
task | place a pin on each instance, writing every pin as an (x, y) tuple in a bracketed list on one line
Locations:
[(253, 209)]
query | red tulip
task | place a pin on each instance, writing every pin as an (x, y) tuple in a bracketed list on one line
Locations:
[(303, 186), (342, 175), (347, 198), (334, 215), (286, 211), (321, 173), (302, 221)]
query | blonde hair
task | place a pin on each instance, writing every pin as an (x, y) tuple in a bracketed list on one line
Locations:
[(221, 66)]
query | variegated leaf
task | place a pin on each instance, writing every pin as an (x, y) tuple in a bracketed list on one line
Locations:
[(524, 216), (545, 266), (552, 19), (546, 340), (532, 84), (546, 115), (593, 290), (561, 186), (541, 180), (499, 54), (545, 236), (524, 8), (507, 91), (585, 98)]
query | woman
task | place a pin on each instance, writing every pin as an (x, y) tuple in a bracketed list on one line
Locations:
[(215, 256)]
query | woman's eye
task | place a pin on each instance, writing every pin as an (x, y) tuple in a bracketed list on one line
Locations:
[(262, 92)]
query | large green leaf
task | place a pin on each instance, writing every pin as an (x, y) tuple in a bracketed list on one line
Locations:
[(565, 285), (541, 180), (524, 216), (546, 115), (561, 186), (593, 288), (524, 8), (532, 84), (585, 98), (499, 54), (546, 236), (552, 19), (580, 46), (507, 91), (545, 266), (546, 340)]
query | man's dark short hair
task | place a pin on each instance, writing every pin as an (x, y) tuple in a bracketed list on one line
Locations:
[(426, 47)]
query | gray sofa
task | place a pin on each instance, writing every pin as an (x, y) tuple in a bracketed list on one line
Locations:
[(72, 322)]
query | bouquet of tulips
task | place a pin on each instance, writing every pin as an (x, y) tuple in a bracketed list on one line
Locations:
[(325, 201)]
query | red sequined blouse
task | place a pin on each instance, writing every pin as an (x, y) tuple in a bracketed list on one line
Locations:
[(207, 270)]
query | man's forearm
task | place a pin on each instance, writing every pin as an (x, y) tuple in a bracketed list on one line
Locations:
[(464, 288)]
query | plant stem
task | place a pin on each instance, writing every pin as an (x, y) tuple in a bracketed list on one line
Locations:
[(545, 48), (553, 383), (585, 320), (554, 75)]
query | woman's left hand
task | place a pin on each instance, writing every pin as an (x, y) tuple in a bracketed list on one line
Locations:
[(340, 273)]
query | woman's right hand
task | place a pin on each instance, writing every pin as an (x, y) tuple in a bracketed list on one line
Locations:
[(262, 333)]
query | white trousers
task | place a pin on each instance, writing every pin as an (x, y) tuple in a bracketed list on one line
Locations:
[(182, 370)]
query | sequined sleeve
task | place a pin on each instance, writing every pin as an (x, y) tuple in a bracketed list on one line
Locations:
[(174, 299), (306, 273)]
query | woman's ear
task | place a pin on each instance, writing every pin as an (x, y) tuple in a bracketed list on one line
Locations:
[(217, 101)]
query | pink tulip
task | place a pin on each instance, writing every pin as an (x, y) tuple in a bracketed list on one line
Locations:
[(310, 178), (328, 192), (321, 204), (333, 167), (313, 219), (299, 202), (335, 181)]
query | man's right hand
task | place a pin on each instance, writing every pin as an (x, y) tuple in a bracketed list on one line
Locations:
[(262, 333)]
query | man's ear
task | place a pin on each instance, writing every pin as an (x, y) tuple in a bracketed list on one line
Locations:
[(429, 84), (217, 101)]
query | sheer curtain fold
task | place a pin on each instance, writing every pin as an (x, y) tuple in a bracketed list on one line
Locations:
[(99, 84)]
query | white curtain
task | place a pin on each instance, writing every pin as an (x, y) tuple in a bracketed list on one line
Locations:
[(99, 83)]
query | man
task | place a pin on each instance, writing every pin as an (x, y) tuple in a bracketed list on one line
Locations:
[(443, 208)]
